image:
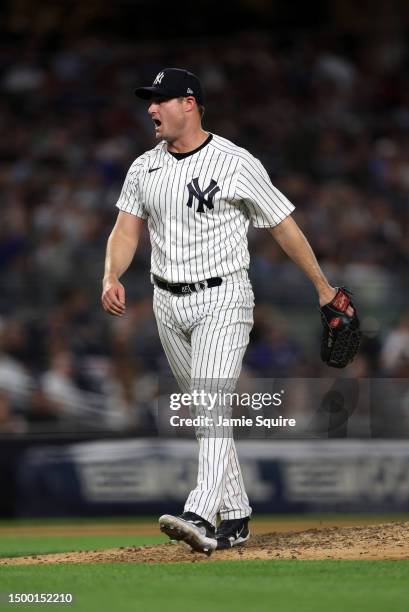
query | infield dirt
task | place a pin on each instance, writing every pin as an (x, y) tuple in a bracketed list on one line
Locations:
[(384, 541)]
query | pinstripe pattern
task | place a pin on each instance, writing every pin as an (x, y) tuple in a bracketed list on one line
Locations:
[(188, 246), (204, 336)]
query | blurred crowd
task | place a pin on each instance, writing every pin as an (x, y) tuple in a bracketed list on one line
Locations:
[(330, 123)]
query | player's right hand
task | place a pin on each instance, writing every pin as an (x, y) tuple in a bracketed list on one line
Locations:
[(113, 297)]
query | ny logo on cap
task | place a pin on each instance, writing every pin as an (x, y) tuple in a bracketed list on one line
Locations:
[(196, 192), (158, 78)]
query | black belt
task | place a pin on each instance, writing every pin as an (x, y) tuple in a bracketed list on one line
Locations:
[(184, 289)]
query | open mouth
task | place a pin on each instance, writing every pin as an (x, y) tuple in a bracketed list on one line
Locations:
[(157, 122)]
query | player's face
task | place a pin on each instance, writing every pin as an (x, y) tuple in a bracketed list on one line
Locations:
[(168, 116)]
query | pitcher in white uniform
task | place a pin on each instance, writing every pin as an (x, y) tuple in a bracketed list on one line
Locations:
[(198, 193)]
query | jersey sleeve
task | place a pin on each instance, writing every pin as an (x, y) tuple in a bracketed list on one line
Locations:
[(130, 200), (266, 205)]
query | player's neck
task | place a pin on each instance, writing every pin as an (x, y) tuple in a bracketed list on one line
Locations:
[(188, 142)]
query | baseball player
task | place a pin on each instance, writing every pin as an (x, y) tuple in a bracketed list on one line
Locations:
[(198, 193)]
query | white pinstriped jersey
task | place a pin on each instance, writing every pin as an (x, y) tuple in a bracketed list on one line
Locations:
[(199, 208)]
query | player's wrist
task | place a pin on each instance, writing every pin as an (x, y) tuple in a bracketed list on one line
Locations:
[(109, 278), (326, 294)]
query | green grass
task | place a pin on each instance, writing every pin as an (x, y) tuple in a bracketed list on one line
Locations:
[(399, 516), (250, 586), (20, 546), (258, 586), (79, 520)]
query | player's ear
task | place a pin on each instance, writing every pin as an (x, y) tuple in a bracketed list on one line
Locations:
[(190, 103)]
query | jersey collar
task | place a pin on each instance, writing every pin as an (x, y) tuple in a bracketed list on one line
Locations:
[(178, 156)]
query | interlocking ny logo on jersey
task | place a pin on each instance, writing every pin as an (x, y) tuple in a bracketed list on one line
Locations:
[(196, 192), (158, 78)]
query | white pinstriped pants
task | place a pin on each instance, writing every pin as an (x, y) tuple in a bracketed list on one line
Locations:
[(205, 336)]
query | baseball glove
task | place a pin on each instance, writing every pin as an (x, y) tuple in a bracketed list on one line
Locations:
[(341, 336)]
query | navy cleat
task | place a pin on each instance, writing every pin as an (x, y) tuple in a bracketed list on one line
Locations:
[(232, 533), (191, 528)]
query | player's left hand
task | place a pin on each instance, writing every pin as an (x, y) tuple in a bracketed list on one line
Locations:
[(341, 334)]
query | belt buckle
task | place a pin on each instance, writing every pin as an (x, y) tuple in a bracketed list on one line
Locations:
[(199, 286)]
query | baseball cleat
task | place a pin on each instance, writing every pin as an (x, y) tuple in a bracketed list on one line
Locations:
[(190, 528), (232, 533)]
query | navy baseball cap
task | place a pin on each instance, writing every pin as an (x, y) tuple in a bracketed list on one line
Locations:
[(172, 83)]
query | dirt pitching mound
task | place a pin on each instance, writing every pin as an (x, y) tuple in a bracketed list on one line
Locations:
[(376, 542)]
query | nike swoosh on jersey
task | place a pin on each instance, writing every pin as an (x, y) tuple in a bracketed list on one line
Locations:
[(153, 169)]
